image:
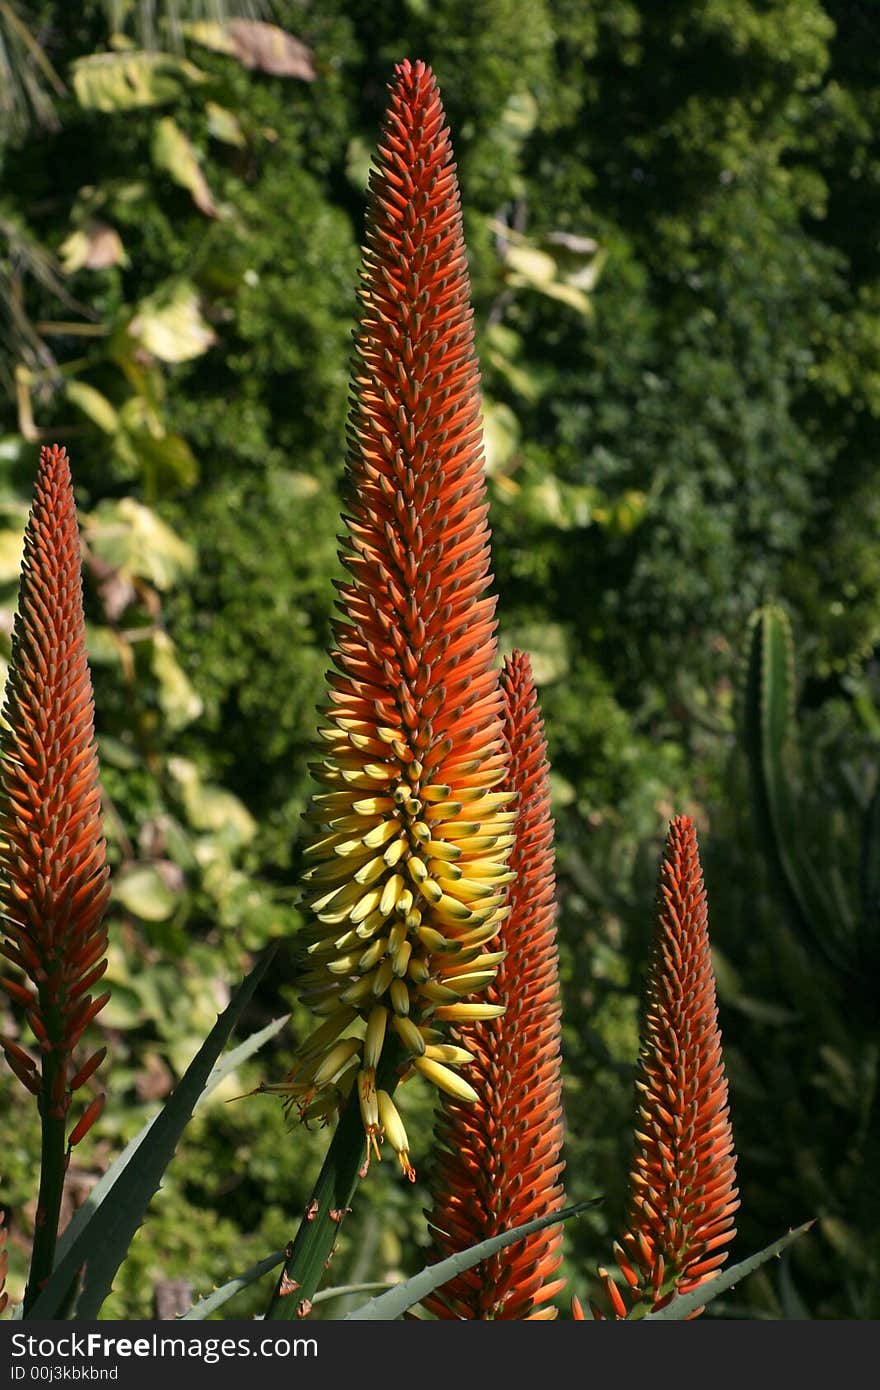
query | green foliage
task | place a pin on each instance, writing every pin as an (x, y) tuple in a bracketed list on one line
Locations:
[(671, 215)]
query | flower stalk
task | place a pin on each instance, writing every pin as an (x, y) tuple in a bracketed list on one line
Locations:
[(53, 876), (500, 1159), (682, 1186)]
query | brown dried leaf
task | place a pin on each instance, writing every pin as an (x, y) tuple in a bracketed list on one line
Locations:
[(265, 46)]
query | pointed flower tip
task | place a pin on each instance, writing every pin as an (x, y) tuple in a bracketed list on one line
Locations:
[(53, 875), (683, 1191), (514, 1126), (407, 874)]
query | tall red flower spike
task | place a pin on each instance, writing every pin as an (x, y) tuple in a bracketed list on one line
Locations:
[(409, 873), (500, 1158), (683, 1181), (53, 879)]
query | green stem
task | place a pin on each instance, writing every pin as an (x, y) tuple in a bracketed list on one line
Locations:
[(53, 1167), (328, 1205)]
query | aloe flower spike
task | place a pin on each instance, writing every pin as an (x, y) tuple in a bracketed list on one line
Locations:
[(407, 865), (53, 876), (500, 1157), (682, 1187)]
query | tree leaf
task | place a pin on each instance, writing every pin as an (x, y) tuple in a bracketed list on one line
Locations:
[(501, 434), (533, 267), (95, 246), (169, 324), (125, 81), (141, 889), (11, 549), (172, 151), (395, 1302), (223, 125), (211, 808), (687, 1303), (93, 404), (103, 1242), (178, 699), (132, 538), (167, 460)]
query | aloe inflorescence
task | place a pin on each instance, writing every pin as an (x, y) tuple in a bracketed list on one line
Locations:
[(499, 1161), (411, 833), (682, 1186), (53, 884)]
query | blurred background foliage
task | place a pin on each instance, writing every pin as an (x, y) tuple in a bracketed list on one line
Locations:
[(671, 213)]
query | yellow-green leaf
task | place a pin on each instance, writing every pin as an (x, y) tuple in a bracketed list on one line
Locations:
[(209, 807), (534, 267), (173, 152), (92, 247), (169, 324), (223, 125), (143, 891), (501, 434), (124, 81), (11, 546), (179, 701), (132, 538), (94, 405)]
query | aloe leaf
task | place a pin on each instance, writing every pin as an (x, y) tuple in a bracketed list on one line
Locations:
[(102, 1243), (225, 1067), (215, 1300), (687, 1303), (346, 1290), (222, 1295), (396, 1301)]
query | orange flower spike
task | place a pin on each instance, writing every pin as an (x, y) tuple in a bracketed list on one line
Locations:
[(500, 1158), (407, 868), (53, 878), (683, 1180)]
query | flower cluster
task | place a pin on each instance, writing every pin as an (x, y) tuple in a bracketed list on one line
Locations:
[(53, 878), (408, 869), (682, 1183), (499, 1161)]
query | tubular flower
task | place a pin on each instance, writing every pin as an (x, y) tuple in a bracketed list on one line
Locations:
[(408, 871), (53, 878), (500, 1158), (682, 1184)]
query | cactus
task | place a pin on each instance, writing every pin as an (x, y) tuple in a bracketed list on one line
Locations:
[(840, 931), (869, 927)]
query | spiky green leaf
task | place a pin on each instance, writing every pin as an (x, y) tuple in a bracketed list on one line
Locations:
[(687, 1303), (103, 1238), (396, 1301)]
